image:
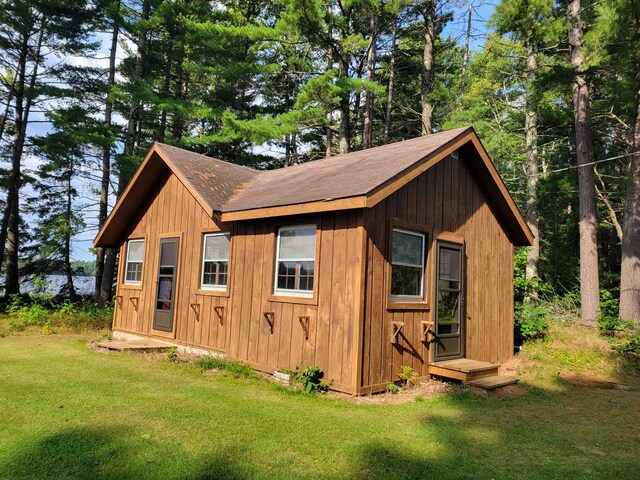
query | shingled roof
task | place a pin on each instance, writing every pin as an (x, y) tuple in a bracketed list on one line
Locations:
[(353, 180), (216, 181), (342, 176)]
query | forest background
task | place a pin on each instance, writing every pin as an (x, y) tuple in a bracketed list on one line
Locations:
[(552, 88)]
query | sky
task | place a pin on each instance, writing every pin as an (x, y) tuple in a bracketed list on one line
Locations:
[(82, 243)]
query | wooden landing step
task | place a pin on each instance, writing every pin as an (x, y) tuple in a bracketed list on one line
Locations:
[(497, 381), (473, 372), (139, 345)]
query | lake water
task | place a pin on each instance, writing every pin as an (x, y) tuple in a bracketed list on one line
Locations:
[(84, 284)]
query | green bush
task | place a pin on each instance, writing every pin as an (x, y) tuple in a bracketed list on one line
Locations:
[(310, 378), (530, 321), (393, 388), (522, 287), (609, 322), (42, 311)]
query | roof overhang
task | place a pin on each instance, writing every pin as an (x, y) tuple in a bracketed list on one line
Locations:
[(127, 208)]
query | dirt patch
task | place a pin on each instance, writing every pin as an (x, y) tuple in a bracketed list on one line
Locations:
[(426, 389)]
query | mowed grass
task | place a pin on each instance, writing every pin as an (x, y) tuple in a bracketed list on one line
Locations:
[(68, 411)]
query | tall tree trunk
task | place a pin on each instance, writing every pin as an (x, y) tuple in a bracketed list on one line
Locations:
[(7, 107), (17, 91), (531, 140), (344, 131), (427, 66), (367, 134), (465, 57), (392, 72), (71, 291), (589, 283), (329, 114), (630, 270), (133, 128), (106, 155), (165, 95), (24, 100)]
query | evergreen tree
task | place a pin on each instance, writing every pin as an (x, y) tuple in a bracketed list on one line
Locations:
[(32, 34)]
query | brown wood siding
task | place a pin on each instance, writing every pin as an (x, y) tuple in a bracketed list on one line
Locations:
[(445, 198), (244, 334), (332, 314), (173, 211)]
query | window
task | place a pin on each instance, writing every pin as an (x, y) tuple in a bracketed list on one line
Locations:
[(135, 257), (407, 265), (215, 261), (295, 261)]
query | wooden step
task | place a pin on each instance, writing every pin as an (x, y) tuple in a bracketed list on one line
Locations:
[(496, 381), (463, 369)]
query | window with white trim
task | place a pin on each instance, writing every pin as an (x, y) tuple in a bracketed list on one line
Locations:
[(295, 261), (407, 264), (215, 261), (133, 265)]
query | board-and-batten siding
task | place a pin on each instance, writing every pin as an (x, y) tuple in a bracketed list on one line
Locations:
[(244, 333), (332, 316), (445, 198), (173, 211)]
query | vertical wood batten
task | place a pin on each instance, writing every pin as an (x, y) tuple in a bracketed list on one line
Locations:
[(445, 198)]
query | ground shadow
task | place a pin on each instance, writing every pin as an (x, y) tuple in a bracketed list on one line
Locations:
[(88, 453)]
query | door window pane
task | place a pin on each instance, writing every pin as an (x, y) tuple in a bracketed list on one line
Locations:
[(449, 267), (168, 254), (448, 295)]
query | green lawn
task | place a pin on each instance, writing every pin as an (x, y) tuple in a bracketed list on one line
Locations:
[(67, 411)]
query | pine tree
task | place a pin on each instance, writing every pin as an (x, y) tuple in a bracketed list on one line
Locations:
[(534, 25), (64, 152), (589, 282), (32, 32)]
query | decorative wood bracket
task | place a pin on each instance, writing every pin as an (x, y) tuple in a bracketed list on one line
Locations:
[(119, 300), (134, 301), (396, 330), (270, 317), (219, 309), (196, 309), (304, 321), (427, 332)]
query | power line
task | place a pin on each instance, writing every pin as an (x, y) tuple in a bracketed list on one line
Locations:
[(564, 169)]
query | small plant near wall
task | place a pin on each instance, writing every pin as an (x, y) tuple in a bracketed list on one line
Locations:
[(409, 376), (310, 378), (393, 388), (172, 355)]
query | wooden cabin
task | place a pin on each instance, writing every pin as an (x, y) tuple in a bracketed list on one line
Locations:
[(400, 255)]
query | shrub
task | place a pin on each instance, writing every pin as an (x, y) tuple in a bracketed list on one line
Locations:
[(42, 311), (310, 378), (629, 343), (608, 320), (172, 354), (530, 321), (408, 375), (393, 388)]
